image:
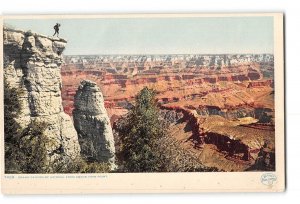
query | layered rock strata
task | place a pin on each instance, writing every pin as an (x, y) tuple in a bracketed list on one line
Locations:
[(239, 142), (32, 63), (92, 124)]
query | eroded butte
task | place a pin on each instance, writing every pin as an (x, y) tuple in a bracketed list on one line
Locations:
[(220, 107)]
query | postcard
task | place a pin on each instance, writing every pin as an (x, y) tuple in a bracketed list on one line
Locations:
[(142, 103)]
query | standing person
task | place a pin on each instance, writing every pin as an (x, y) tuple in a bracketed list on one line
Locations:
[(56, 28)]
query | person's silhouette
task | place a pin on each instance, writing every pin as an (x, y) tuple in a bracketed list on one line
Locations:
[(56, 28)]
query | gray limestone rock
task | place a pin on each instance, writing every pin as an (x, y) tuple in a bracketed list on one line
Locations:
[(32, 63), (92, 124)]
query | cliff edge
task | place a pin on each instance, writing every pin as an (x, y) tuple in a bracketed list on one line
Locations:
[(32, 63)]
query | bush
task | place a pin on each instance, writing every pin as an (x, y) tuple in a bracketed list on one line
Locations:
[(12, 109), (25, 148), (80, 165), (177, 159), (12, 130), (32, 148)]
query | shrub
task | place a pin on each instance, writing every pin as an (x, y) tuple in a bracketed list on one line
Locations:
[(12, 130), (80, 165), (32, 147), (25, 150)]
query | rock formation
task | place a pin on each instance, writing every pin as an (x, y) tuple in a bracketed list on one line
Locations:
[(32, 62), (92, 124), (234, 91)]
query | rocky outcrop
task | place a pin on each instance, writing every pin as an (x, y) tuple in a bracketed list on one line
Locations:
[(262, 83), (241, 144), (32, 62), (92, 124)]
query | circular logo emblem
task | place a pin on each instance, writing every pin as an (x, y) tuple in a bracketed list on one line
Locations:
[(268, 179)]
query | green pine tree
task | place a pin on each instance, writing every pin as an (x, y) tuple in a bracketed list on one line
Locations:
[(139, 134)]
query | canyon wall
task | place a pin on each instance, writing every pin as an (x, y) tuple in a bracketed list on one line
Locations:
[(241, 144), (32, 63), (92, 124), (194, 92)]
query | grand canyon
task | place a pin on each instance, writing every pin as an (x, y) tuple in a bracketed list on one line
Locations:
[(174, 99), (143, 103), (220, 108)]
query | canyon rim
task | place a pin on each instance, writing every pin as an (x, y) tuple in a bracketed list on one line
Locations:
[(139, 95)]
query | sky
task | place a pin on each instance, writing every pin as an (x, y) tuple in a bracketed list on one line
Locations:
[(192, 35)]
